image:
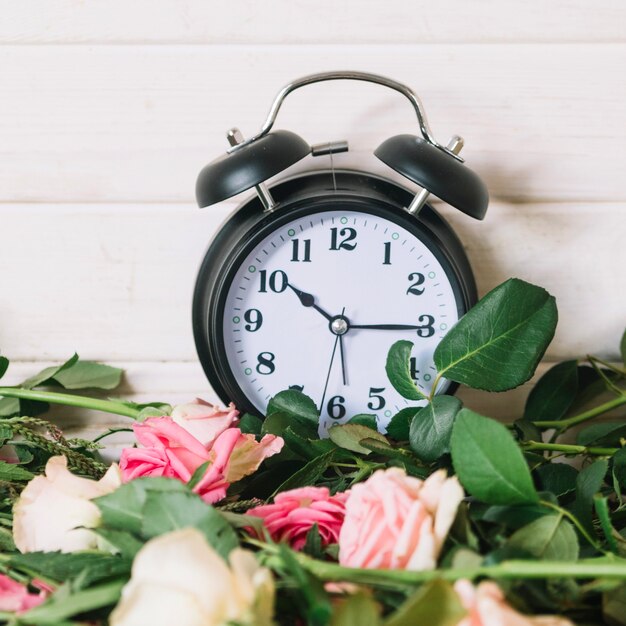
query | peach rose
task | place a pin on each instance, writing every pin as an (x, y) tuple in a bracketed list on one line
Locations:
[(205, 421), (178, 578), (486, 606), (395, 521), (15, 597), (55, 511), (169, 450), (295, 512)]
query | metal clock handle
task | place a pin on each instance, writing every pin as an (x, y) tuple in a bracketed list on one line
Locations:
[(346, 75)]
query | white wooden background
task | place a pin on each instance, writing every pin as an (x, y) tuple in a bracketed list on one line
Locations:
[(109, 108)]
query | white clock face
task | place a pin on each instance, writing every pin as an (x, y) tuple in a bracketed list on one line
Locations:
[(323, 275)]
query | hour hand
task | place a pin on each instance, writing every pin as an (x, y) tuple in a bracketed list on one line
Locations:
[(308, 300)]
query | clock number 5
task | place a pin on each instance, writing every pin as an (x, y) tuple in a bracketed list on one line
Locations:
[(378, 402), (348, 234)]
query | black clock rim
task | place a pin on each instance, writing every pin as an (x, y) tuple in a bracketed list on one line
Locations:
[(210, 299)]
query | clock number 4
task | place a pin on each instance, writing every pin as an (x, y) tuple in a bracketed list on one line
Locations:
[(277, 282), (348, 234), (295, 252)]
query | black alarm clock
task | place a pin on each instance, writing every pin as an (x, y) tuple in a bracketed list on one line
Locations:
[(308, 283)]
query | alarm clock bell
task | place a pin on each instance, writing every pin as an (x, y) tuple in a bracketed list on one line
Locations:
[(437, 169)]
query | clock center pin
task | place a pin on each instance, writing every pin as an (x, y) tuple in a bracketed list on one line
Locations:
[(339, 325)]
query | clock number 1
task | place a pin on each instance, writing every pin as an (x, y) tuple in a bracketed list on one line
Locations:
[(387, 259)]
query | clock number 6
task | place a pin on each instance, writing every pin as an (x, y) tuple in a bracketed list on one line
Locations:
[(336, 409), (375, 395), (277, 282), (254, 317), (265, 363)]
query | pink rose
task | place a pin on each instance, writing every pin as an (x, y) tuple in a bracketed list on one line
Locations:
[(295, 512), (485, 605), (205, 421), (172, 452), (394, 521), (15, 597)]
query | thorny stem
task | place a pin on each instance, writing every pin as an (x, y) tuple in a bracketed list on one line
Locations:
[(568, 448), (562, 425)]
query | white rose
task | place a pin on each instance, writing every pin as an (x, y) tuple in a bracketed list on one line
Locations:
[(54, 511), (178, 578)]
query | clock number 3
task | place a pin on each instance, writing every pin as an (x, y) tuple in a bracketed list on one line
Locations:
[(427, 329), (348, 234)]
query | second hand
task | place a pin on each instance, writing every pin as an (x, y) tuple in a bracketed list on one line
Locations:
[(330, 367)]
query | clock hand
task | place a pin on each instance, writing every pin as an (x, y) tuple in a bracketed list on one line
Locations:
[(386, 326), (330, 368), (308, 300), (343, 360)]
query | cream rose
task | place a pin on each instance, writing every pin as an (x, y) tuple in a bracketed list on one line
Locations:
[(178, 578), (395, 521), (486, 606), (55, 510), (205, 421)]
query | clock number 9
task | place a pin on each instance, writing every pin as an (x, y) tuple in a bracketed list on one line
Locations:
[(347, 233), (413, 289), (427, 330), (265, 363), (254, 317), (277, 282), (336, 409)]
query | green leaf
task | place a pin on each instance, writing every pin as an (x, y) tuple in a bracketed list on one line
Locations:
[(549, 538), (554, 393), (348, 436), (588, 483), (276, 424), (48, 373), (431, 428), (497, 345), (250, 424), (60, 608), (198, 475), (363, 419), (602, 434), (120, 541), (614, 606), (398, 427), (434, 604), (295, 404), (14, 473), (357, 609), (558, 478), (601, 505), (619, 468), (398, 372), (309, 474), (509, 516), (306, 448), (488, 462), (4, 365), (62, 566), (164, 512), (89, 375)]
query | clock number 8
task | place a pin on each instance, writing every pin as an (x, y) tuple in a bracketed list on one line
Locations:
[(254, 317), (265, 363), (336, 409), (277, 282)]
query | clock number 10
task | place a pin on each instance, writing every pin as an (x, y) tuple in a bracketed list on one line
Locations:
[(277, 282)]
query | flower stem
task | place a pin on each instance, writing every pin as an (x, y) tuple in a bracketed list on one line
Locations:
[(568, 448), (531, 569), (108, 406), (582, 417)]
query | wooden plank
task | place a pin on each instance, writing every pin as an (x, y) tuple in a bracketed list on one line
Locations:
[(299, 21), (136, 123), (114, 282)]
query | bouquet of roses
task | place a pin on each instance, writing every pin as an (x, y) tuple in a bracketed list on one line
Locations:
[(217, 518)]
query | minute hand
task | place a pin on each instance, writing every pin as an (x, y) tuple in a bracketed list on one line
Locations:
[(386, 326)]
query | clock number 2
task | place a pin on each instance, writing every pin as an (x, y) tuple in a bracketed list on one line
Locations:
[(265, 363), (348, 234), (413, 289)]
